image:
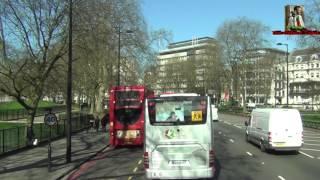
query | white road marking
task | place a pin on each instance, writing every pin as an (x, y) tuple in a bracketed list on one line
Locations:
[(318, 157), (129, 178), (311, 140), (310, 149), (307, 133), (238, 126), (262, 163), (249, 153), (311, 144), (227, 123), (219, 132), (310, 137), (140, 161), (306, 154), (135, 169), (231, 140), (282, 178)]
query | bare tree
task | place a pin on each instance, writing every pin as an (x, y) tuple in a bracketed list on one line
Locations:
[(237, 37), (37, 30), (98, 25), (214, 71)]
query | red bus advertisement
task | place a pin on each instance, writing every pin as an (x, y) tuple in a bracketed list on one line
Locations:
[(126, 114)]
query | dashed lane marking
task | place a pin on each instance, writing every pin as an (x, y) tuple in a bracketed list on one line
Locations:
[(249, 153), (140, 161), (310, 149), (130, 177), (282, 178), (227, 123), (306, 154), (231, 140), (318, 157), (219, 132), (135, 169)]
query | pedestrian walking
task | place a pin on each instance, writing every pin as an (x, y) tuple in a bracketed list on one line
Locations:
[(97, 122), (104, 122)]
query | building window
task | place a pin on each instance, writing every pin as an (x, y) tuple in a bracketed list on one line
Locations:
[(301, 75), (311, 74), (298, 58), (312, 65), (317, 65), (297, 75), (314, 57), (317, 75)]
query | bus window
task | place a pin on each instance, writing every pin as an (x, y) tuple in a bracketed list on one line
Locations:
[(178, 111)]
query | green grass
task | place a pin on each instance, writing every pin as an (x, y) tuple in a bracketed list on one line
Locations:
[(311, 117), (5, 125), (14, 105)]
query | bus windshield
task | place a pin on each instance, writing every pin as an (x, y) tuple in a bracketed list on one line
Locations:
[(177, 110), (129, 106)]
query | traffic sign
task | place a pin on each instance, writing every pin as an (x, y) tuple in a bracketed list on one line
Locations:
[(50, 119)]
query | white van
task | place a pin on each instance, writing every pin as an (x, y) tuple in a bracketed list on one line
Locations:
[(178, 137), (214, 113), (277, 129)]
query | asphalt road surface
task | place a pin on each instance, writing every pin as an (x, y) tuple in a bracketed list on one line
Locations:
[(235, 158)]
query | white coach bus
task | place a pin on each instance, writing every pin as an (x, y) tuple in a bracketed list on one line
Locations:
[(178, 137)]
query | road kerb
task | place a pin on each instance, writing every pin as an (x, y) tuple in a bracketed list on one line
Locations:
[(77, 166)]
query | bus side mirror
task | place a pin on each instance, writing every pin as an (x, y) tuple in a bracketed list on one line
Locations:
[(246, 123)]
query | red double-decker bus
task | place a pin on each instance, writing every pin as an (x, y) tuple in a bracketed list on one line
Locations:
[(126, 114)]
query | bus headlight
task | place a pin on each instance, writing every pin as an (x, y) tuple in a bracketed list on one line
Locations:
[(119, 134)]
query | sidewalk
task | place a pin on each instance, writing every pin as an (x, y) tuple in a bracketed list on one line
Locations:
[(33, 163)]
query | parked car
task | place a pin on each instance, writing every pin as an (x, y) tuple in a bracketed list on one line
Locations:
[(275, 128)]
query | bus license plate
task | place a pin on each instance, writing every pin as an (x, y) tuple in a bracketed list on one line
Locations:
[(179, 163), (130, 134)]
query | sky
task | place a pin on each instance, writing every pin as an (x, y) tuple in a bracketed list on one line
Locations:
[(199, 18)]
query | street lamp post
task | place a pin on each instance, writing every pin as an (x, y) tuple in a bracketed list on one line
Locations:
[(69, 89), (119, 50), (284, 44)]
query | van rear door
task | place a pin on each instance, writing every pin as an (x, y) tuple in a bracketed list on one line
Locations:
[(286, 127), (180, 134)]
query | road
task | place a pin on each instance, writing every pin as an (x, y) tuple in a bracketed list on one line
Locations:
[(235, 159)]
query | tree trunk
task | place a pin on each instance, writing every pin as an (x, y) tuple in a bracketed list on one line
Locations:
[(99, 101), (235, 81), (29, 133)]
